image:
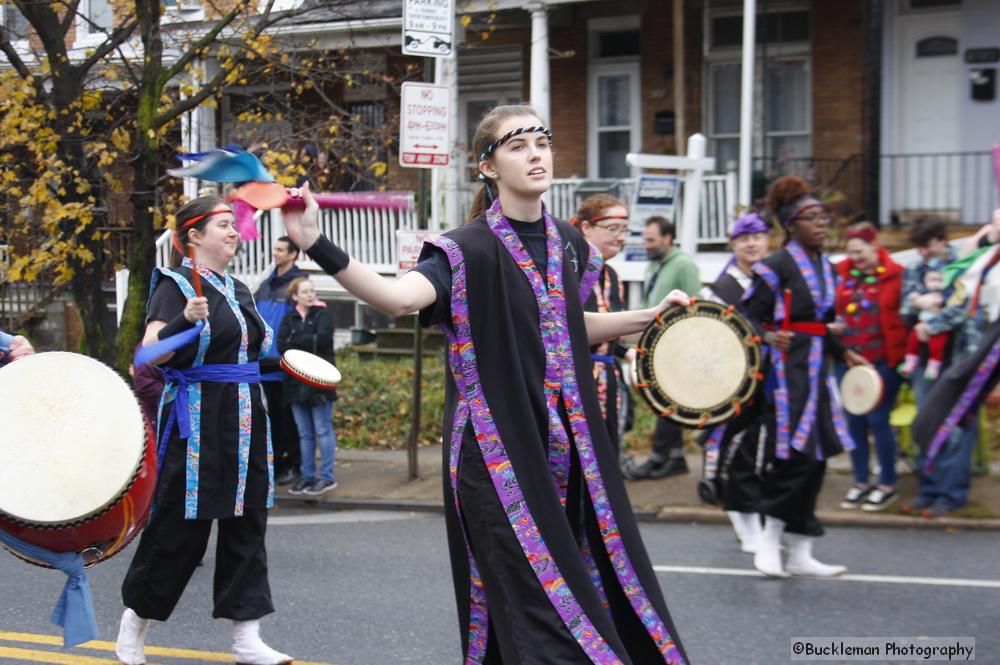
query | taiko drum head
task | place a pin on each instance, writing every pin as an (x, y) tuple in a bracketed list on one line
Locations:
[(310, 369), (698, 365), (72, 439), (861, 390)]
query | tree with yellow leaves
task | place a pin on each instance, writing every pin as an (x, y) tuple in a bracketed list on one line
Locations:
[(86, 131)]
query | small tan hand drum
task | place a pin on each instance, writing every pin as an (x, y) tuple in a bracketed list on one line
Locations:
[(698, 365), (310, 369), (861, 390), (77, 460)]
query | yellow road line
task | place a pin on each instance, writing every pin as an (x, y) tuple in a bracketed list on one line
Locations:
[(51, 657), (98, 645)]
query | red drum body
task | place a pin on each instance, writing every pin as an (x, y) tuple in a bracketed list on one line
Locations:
[(77, 459)]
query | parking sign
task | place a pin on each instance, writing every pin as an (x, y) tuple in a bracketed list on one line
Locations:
[(428, 28)]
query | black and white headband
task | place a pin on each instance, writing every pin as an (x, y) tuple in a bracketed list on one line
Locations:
[(511, 134)]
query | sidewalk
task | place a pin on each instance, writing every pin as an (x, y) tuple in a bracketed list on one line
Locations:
[(377, 479)]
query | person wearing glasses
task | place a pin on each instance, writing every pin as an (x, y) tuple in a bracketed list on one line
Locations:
[(603, 220), (668, 268), (791, 303)]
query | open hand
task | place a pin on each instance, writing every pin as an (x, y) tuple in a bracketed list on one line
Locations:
[(302, 225), (853, 359), (20, 347), (675, 297)]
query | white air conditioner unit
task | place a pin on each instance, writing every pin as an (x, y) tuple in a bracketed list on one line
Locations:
[(189, 5)]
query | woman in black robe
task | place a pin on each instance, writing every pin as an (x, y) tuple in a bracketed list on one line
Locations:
[(548, 564), (733, 450), (214, 448), (809, 425), (603, 220)]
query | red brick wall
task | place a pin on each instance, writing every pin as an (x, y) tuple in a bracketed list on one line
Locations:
[(838, 84)]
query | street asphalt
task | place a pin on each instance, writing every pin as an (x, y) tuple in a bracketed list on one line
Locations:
[(363, 587)]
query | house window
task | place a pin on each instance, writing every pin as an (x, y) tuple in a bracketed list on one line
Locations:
[(613, 96), (782, 122), (13, 21)]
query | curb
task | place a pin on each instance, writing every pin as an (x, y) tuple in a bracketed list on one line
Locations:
[(666, 515)]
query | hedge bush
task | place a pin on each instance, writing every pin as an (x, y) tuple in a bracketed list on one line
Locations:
[(375, 399)]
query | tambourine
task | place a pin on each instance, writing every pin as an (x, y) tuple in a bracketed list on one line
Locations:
[(861, 390), (77, 459), (310, 369), (698, 365)]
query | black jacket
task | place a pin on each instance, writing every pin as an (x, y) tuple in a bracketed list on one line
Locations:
[(315, 335)]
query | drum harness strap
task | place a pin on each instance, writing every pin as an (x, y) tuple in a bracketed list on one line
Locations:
[(822, 301)]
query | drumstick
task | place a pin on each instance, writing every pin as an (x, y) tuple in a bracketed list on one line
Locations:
[(195, 276), (786, 324)]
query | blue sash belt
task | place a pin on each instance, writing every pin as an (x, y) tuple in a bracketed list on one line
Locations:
[(182, 378)]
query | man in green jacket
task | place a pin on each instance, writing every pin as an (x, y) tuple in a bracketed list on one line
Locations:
[(668, 268)]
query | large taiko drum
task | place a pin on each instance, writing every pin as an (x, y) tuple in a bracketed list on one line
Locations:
[(77, 459), (698, 365)]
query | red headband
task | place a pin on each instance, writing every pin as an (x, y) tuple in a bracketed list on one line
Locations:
[(795, 215), (601, 219), (868, 235), (191, 222)]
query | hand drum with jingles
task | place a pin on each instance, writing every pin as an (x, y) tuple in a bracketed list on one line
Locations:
[(310, 369), (861, 390), (698, 365), (77, 460)]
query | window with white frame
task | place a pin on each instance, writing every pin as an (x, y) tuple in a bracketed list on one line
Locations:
[(614, 96), (13, 21), (782, 123)]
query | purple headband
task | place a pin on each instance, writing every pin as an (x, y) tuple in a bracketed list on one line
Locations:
[(748, 224)]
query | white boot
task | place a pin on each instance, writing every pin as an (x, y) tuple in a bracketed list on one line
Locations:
[(801, 561), (747, 528), (131, 645), (768, 557), (249, 649)]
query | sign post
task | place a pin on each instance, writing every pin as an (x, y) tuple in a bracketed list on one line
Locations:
[(428, 28)]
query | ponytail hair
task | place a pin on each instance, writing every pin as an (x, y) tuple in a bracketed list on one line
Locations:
[(200, 207), (486, 133)]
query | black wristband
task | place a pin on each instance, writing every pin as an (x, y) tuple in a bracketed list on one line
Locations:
[(178, 324), (330, 258)]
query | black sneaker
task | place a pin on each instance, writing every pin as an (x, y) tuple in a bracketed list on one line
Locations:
[(286, 477), (302, 486), (877, 500), (321, 487), (855, 497), (650, 470)]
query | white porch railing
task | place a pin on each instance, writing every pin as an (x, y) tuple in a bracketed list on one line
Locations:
[(716, 212)]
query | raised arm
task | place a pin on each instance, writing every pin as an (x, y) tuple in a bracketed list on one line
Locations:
[(604, 326), (396, 297)]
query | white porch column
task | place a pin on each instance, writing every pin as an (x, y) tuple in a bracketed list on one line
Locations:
[(198, 126), (746, 100), (540, 58)]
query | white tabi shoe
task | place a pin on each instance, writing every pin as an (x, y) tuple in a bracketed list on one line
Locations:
[(801, 561), (747, 528), (131, 645), (768, 557), (249, 649)]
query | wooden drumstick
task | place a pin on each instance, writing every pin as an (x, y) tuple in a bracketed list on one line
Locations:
[(787, 323), (195, 276)]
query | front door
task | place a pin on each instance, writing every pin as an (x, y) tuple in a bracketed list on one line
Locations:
[(928, 98)]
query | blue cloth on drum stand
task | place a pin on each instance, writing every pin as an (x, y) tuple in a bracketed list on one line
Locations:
[(74, 610)]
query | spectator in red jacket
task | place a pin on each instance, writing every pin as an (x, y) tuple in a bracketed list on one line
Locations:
[(868, 299)]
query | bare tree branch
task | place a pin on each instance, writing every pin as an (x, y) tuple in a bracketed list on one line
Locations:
[(15, 59)]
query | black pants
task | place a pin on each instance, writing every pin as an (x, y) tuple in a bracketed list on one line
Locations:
[(170, 549), (743, 487), (791, 487), (284, 433), (668, 442)]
